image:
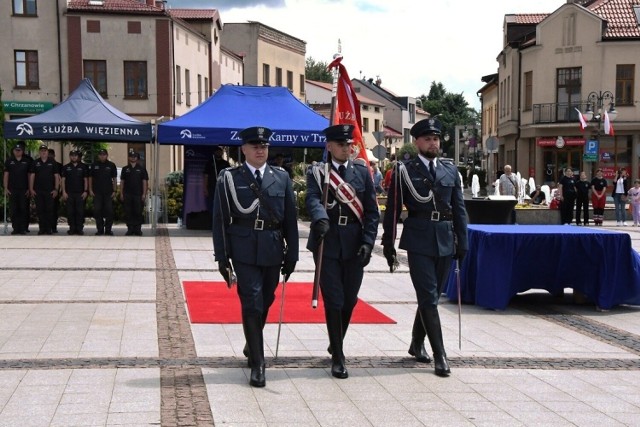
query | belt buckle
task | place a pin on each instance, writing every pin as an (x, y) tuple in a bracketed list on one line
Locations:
[(259, 225), (435, 216), (342, 220)]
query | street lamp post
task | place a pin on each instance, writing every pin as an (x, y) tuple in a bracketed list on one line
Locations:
[(595, 112)]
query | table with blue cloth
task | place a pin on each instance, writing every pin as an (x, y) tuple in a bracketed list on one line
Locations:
[(504, 260)]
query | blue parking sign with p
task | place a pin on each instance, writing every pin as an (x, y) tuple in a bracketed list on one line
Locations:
[(591, 147)]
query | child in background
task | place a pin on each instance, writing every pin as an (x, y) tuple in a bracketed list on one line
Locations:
[(634, 195)]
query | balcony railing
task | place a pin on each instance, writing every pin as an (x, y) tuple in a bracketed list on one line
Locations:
[(560, 112)]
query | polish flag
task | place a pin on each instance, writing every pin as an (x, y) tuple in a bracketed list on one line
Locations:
[(583, 122), (608, 127), (348, 110)]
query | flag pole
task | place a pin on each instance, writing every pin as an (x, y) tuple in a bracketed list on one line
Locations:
[(325, 188)]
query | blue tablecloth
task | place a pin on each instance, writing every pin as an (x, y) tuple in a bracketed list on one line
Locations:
[(504, 260)]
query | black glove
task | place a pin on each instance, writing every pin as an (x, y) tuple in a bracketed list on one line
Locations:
[(320, 228), (226, 270), (287, 269), (390, 254), (364, 253), (460, 254)]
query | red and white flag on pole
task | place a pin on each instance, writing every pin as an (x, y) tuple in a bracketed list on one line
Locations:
[(347, 111), (608, 126), (583, 122)]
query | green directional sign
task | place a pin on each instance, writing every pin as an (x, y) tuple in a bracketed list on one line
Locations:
[(26, 107), (590, 157)]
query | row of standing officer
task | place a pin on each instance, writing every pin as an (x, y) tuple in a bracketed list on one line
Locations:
[(255, 235), (49, 181)]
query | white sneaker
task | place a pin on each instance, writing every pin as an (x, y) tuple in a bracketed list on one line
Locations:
[(624, 224), (619, 223)]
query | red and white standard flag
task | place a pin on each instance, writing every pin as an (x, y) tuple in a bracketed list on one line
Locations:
[(583, 122), (347, 111), (608, 126)]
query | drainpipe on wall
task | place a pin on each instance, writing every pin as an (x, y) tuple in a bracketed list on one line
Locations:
[(59, 51), (515, 165)]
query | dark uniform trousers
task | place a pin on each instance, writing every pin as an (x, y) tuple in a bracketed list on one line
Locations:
[(430, 241), (133, 211), (257, 254), (19, 202), (45, 205), (103, 211), (75, 211), (342, 269)]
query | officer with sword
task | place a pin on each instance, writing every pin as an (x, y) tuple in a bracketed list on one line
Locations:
[(434, 232), (348, 226), (255, 237)]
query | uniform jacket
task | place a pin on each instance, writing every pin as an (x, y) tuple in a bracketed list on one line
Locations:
[(343, 241), (421, 235), (244, 243)]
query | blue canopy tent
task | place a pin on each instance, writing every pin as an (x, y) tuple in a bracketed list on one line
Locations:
[(84, 115), (219, 120)]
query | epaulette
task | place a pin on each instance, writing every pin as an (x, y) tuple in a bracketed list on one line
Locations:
[(446, 160), (280, 168), (359, 164)]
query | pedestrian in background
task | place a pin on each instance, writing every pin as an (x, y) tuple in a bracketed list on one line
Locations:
[(435, 231), (16, 188), (598, 197), (348, 226), (582, 199), (620, 189), (634, 199), (75, 189), (567, 195), (102, 187), (134, 183), (255, 232)]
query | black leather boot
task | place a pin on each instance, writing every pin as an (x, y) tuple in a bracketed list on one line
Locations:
[(418, 333), (245, 350), (252, 325), (434, 333), (346, 319), (334, 328)]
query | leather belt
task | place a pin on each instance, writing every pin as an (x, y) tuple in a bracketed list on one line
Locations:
[(256, 224), (432, 215), (342, 219)]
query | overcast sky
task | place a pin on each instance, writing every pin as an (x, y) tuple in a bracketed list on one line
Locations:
[(406, 43)]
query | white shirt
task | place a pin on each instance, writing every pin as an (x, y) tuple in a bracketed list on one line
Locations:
[(253, 170)]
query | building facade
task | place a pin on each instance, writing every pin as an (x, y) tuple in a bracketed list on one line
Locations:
[(581, 58)]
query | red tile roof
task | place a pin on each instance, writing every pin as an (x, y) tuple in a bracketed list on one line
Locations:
[(193, 13), (114, 6), (619, 14), (530, 18)]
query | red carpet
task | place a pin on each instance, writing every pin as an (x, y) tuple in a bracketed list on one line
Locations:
[(213, 302)]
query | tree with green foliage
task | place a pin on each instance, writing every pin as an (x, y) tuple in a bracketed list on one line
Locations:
[(317, 71), (452, 109)]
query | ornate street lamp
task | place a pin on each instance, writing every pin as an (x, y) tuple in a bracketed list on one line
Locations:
[(595, 107)]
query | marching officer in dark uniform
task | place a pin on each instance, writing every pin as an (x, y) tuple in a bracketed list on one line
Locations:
[(255, 227), (348, 226), (434, 232), (102, 187), (75, 189), (44, 184), (134, 183), (16, 188)]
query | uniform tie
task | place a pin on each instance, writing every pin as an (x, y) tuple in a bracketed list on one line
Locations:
[(432, 170), (258, 178), (341, 171)]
